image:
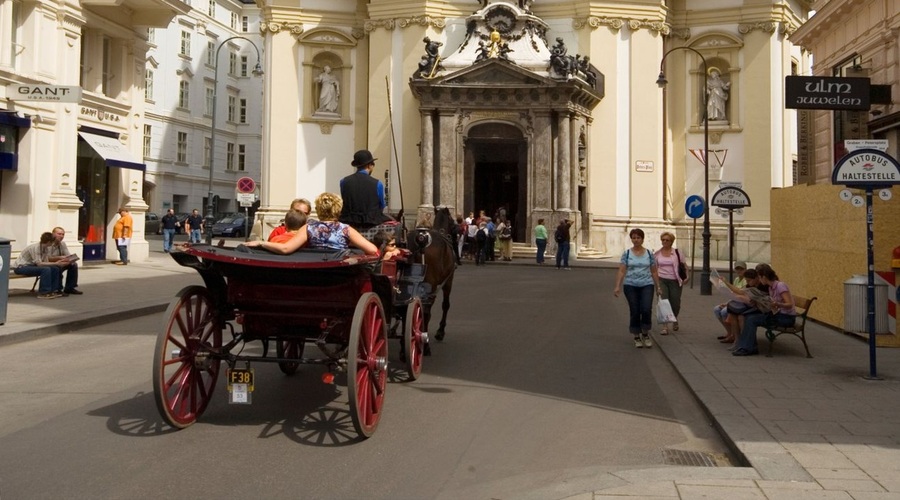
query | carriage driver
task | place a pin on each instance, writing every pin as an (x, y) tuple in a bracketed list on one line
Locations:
[(363, 195)]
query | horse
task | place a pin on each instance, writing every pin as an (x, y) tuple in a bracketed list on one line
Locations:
[(434, 247)]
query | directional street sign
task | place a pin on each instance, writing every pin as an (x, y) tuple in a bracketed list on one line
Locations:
[(246, 185), (730, 198), (693, 206)]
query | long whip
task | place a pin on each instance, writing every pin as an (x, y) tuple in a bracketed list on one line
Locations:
[(394, 144)]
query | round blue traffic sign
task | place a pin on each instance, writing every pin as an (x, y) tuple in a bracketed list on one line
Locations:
[(694, 206)]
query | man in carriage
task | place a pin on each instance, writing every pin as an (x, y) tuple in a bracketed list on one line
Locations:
[(363, 197)]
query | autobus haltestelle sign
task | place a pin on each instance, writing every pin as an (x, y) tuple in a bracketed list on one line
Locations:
[(819, 92), (866, 168)]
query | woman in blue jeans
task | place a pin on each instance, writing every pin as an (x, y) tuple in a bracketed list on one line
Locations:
[(637, 271), (783, 312)]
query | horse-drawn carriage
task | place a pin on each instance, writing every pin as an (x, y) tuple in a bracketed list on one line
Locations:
[(341, 305)]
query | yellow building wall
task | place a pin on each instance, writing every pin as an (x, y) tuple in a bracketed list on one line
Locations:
[(819, 241)]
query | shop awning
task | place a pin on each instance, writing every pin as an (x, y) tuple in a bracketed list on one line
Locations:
[(112, 151), (11, 118)]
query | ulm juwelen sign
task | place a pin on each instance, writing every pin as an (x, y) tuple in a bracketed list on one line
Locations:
[(820, 92)]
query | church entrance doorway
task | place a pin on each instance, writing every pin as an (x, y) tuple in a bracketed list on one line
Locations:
[(497, 158)]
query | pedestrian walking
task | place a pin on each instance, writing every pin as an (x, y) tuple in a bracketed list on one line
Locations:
[(672, 276), (122, 234), (563, 238), (169, 226), (194, 226), (638, 274), (540, 239)]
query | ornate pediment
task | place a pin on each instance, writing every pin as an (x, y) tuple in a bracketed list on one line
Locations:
[(493, 73)]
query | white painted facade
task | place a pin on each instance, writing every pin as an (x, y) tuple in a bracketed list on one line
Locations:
[(178, 174)]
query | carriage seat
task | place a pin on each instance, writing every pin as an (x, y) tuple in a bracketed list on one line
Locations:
[(304, 254)]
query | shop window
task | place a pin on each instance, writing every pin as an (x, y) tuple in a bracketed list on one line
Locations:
[(91, 187)]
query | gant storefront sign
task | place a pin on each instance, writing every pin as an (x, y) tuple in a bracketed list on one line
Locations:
[(819, 92)]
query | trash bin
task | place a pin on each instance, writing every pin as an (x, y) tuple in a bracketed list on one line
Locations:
[(856, 308), (5, 266)]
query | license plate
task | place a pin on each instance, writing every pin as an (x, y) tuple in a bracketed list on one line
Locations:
[(240, 385)]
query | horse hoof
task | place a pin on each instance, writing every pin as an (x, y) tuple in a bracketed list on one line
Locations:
[(426, 351), (439, 336)]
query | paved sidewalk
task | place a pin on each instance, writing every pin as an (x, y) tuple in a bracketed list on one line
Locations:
[(805, 428)]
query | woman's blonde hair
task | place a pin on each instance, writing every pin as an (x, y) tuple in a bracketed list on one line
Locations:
[(666, 233), (328, 206)]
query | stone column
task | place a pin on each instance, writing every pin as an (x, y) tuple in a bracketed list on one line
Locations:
[(573, 163), (543, 173), (563, 167), (450, 151), (427, 158)]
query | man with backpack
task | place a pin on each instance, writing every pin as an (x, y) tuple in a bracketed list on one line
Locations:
[(481, 242)]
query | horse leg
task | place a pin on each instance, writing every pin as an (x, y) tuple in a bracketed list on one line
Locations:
[(445, 306)]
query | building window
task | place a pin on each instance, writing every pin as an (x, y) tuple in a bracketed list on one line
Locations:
[(232, 104), (210, 97), (151, 36), (13, 32), (242, 111), (147, 135), (211, 10), (106, 75), (244, 64), (242, 157), (229, 156), (185, 44), (234, 21), (207, 151), (148, 85), (211, 53), (184, 94), (232, 63), (245, 24), (181, 147)]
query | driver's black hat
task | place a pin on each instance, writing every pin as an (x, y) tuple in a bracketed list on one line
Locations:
[(362, 158)]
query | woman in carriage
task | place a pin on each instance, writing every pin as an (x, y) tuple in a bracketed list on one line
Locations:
[(325, 232)]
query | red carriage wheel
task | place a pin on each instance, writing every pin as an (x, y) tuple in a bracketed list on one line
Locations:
[(367, 364), (290, 349), (184, 373), (413, 338)]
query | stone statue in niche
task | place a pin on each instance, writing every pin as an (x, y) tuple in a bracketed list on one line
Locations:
[(329, 91), (717, 91)]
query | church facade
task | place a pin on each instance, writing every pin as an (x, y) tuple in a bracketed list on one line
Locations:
[(542, 109)]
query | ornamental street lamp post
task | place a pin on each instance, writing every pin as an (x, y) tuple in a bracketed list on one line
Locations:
[(257, 71), (705, 284)]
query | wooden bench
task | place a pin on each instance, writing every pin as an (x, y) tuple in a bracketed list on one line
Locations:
[(37, 279), (799, 328)]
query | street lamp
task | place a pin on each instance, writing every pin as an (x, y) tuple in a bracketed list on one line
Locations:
[(257, 71), (705, 284)]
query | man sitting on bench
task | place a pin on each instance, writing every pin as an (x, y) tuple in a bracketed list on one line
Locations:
[(34, 261), (66, 260)]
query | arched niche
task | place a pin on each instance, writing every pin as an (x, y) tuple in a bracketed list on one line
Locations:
[(326, 47), (722, 53)]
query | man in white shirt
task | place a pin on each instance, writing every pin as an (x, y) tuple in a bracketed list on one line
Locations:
[(33, 261), (67, 262)]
